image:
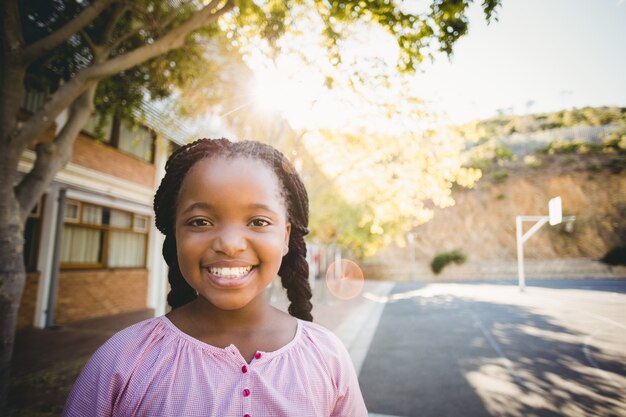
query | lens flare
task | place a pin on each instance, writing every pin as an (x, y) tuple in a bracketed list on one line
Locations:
[(344, 279)]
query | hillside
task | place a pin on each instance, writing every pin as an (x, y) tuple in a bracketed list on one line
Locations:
[(482, 222), (589, 177)]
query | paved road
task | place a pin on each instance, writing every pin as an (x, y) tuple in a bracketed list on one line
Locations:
[(485, 349)]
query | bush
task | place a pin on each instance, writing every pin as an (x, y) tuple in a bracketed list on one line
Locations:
[(443, 259), (615, 256), (499, 176)]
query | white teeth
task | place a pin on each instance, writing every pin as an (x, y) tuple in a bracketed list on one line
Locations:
[(230, 272)]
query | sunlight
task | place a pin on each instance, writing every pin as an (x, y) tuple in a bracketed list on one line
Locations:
[(273, 91), (286, 89), (314, 92)]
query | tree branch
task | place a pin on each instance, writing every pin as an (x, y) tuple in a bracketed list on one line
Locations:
[(52, 157), (171, 40), (44, 117), (121, 39), (42, 46), (69, 91), (107, 33), (12, 27), (89, 41)]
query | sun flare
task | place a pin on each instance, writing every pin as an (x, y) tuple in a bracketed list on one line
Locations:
[(286, 91)]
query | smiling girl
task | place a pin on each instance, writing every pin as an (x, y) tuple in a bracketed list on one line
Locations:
[(234, 215)]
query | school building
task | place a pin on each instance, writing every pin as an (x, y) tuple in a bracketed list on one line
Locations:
[(91, 248)]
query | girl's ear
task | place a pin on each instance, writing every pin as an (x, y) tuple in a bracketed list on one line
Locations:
[(286, 240)]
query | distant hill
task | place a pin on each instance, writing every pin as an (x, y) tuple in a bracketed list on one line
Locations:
[(506, 125), (521, 135), (526, 160)]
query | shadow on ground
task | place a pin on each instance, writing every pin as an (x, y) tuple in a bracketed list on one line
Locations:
[(446, 355)]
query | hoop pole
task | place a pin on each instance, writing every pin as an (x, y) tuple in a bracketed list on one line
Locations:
[(521, 280), (522, 237)]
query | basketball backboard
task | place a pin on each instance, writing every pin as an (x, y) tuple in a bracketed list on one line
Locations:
[(555, 211)]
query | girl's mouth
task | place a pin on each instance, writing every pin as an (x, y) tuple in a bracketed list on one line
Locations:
[(230, 273)]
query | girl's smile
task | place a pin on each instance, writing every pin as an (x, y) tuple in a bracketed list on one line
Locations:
[(231, 230), (230, 277)]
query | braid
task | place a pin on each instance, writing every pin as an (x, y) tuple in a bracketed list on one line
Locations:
[(294, 273), (180, 291), (294, 270)]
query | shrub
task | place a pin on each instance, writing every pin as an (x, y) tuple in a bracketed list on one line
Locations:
[(615, 256), (443, 259), (502, 153), (499, 176)]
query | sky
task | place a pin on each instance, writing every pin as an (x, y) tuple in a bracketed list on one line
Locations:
[(541, 55)]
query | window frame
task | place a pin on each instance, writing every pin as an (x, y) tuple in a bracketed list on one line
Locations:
[(112, 138), (73, 220), (105, 238)]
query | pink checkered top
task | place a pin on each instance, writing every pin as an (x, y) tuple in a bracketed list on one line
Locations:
[(152, 369)]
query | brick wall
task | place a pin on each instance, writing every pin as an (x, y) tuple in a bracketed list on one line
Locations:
[(88, 294), (100, 157), (26, 313)]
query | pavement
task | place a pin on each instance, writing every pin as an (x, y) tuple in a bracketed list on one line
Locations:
[(350, 312), (476, 349)]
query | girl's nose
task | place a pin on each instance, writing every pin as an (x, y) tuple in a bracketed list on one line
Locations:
[(230, 241)]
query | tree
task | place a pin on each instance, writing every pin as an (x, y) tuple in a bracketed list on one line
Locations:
[(77, 44)]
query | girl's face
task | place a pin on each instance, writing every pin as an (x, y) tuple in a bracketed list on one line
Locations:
[(231, 230)]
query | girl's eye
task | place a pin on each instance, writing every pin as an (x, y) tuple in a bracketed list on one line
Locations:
[(199, 222), (259, 223)]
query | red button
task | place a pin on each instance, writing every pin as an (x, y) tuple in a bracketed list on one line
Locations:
[(244, 369), (246, 392), (257, 355), (247, 415)]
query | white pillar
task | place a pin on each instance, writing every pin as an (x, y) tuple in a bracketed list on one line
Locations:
[(46, 250), (157, 268)]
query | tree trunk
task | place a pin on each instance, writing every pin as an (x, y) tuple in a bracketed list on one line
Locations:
[(12, 279), (12, 270)]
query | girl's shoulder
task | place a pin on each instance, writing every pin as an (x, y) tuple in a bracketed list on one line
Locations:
[(318, 332), (322, 340), (134, 334), (132, 343)]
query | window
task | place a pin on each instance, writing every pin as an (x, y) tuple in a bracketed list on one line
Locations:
[(140, 223), (72, 211), (137, 141), (102, 237), (104, 133), (32, 231)]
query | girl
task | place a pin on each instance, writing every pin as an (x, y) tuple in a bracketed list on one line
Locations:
[(234, 215)]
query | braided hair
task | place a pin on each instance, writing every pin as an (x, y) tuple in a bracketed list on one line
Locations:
[(294, 269)]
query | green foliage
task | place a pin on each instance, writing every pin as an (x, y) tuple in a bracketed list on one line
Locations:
[(502, 153), (570, 147), (440, 261), (123, 93), (615, 256), (611, 153), (617, 164), (488, 155), (419, 34), (499, 176), (505, 125)]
